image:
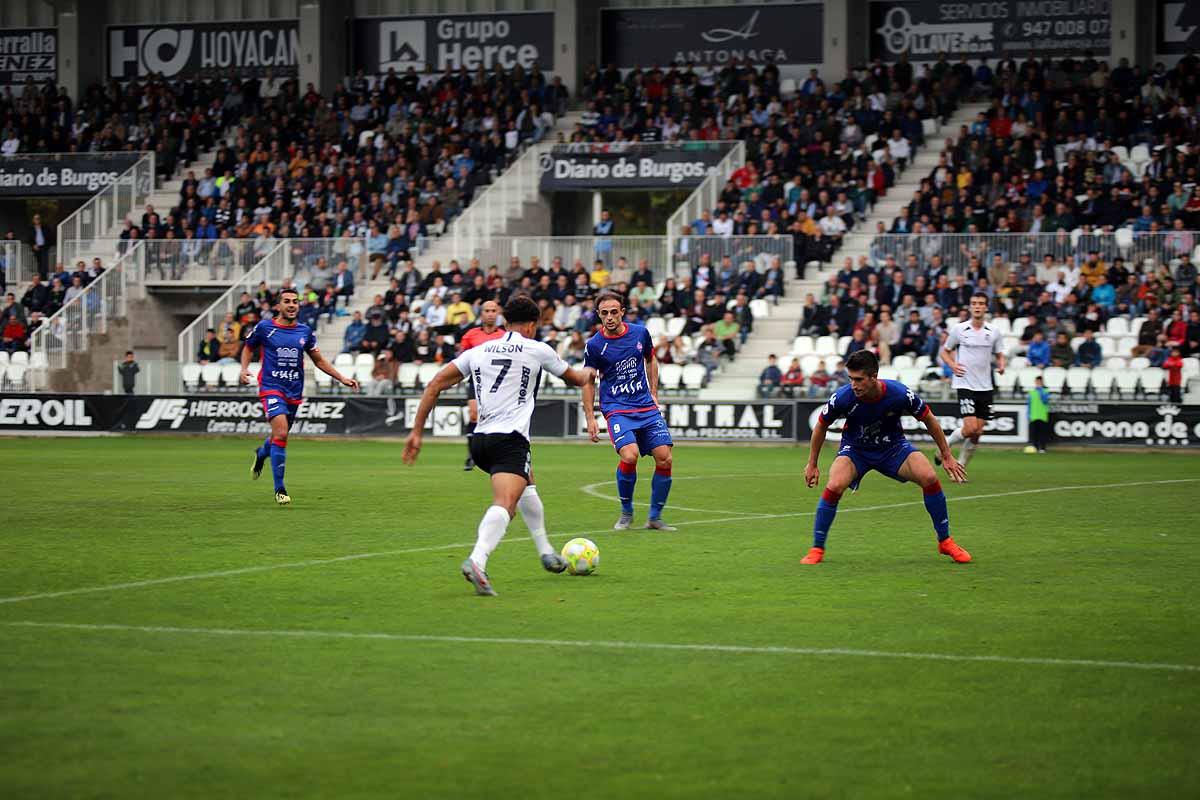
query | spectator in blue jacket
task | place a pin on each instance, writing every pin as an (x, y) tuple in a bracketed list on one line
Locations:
[(1089, 355), (1039, 351), (352, 341), (1104, 295), (769, 380)]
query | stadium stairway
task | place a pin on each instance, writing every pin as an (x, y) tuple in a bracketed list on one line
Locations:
[(164, 198), (532, 219), (774, 334)]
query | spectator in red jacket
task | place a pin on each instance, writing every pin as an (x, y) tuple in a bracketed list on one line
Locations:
[(1174, 368), (13, 337)]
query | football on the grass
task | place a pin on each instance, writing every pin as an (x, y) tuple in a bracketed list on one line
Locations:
[(582, 555)]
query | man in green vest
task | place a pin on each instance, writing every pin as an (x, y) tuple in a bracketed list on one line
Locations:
[(1039, 416)]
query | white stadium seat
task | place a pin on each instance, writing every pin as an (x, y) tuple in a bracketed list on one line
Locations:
[(1019, 327), (343, 361), (255, 367), (190, 373), (889, 374), (1007, 381), (38, 360), (1127, 381), (825, 346), (1152, 380), (809, 363), (362, 374), (1055, 378), (1027, 376), (14, 378), (324, 382), (211, 375), (1011, 344), (1135, 327), (842, 343), (669, 376), (1103, 380), (802, 345), (408, 374), (1116, 362), (364, 360), (1078, 380), (656, 326), (231, 375), (759, 309), (903, 362), (1001, 324), (1139, 363), (1117, 326), (923, 361), (693, 377), (1191, 368), (1125, 346), (911, 376), (19, 359), (1017, 362), (675, 326), (425, 373), (4, 360)]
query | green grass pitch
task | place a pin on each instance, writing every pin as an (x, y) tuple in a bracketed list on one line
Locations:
[(1063, 662)]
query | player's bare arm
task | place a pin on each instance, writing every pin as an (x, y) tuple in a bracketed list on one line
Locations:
[(812, 471), (322, 363), (447, 376), (950, 361), (652, 375), (246, 355), (955, 470), (589, 408), (1000, 363)]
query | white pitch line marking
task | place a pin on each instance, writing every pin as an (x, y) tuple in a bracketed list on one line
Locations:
[(593, 490), (457, 545), (619, 645)]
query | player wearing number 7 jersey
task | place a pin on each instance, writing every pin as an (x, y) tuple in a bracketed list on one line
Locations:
[(506, 373)]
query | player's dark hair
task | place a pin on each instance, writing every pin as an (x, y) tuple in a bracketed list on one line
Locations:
[(982, 296), (609, 294), (863, 361), (289, 290), (520, 309)]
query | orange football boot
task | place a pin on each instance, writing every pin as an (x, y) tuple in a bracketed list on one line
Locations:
[(949, 548), (815, 555)]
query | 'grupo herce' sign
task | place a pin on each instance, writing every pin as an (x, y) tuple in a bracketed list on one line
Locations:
[(586, 168)]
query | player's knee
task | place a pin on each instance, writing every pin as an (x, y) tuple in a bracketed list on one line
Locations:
[(629, 459), (663, 462)]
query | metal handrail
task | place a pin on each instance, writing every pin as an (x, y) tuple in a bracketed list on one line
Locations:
[(106, 208)]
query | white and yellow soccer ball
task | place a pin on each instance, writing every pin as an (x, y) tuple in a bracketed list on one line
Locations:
[(582, 555)]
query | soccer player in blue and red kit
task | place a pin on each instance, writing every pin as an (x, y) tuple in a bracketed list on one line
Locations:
[(873, 439), (623, 355), (284, 342)]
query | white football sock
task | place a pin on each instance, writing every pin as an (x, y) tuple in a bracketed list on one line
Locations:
[(491, 531), (534, 514), (955, 437), (968, 450)]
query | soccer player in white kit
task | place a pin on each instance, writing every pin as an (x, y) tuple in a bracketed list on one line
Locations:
[(506, 373), (968, 353)]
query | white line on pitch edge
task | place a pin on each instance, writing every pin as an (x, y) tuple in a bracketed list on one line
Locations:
[(618, 645), (457, 545)]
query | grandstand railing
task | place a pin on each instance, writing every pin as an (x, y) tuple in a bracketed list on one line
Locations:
[(1075, 247), (272, 268), (168, 263), (69, 330), (705, 196), (16, 261), (97, 218), (288, 258), (666, 256), (495, 203)]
